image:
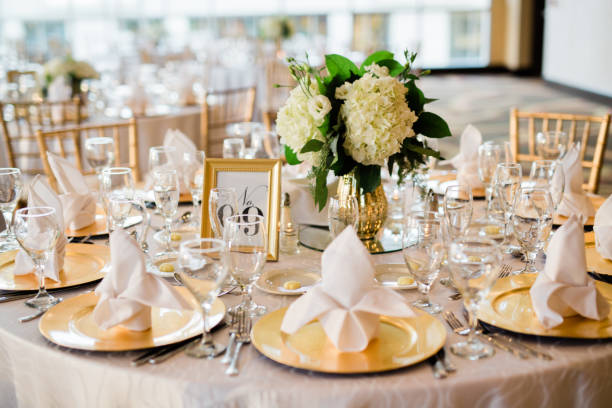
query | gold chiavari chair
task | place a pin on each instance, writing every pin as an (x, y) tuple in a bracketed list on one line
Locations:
[(220, 108), (122, 133), (580, 128), (19, 122), (277, 73)]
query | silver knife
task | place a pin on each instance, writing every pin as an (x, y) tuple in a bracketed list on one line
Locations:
[(532, 351), (166, 354), (502, 346)]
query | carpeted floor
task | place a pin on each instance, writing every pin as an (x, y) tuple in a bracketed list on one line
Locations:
[(485, 102)]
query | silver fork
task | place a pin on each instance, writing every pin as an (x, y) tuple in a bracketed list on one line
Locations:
[(243, 336), (234, 319)]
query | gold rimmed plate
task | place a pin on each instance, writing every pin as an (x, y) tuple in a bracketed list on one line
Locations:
[(509, 307), (596, 262), (282, 281), (70, 324), (83, 263), (99, 226), (400, 342), (394, 276), (596, 200), (439, 186)]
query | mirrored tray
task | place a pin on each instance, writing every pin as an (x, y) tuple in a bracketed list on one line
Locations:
[(318, 238)]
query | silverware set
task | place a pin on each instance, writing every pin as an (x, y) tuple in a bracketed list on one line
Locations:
[(242, 335), (441, 365)]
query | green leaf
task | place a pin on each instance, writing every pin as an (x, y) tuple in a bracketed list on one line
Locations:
[(431, 125), (291, 156), (395, 68), (425, 151), (429, 100), (321, 190), (415, 98), (376, 57), (368, 177), (337, 65), (313, 145)]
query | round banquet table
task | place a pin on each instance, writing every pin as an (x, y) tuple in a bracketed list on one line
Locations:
[(36, 373)]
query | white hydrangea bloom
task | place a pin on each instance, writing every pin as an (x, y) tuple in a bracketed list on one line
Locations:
[(376, 115), (299, 119)]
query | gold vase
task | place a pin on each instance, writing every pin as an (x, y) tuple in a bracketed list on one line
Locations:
[(372, 206)]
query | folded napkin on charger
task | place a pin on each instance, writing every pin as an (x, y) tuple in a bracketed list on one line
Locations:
[(347, 303), (466, 162), (40, 194), (575, 200), (564, 288), (128, 291), (603, 229), (78, 202)]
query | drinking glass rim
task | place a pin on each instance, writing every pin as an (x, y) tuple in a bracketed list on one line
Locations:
[(9, 170), (474, 238), (456, 187), (233, 139), (532, 189), (509, 165), (117, 170), (491, 145), (25, 212), (162, 148), (238, 216), (220, 245)]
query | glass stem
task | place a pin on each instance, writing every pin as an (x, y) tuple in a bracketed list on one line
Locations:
[(530, 264), (40, 272), (168, 228), (488, 194), (472, 321), (206, 337), (424, 290), (247, 299), (506, 241)]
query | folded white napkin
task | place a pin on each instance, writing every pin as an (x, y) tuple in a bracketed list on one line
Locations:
[(138, 100), (78, 202), (347, 303), (41, 194), (575, 200), (603, 229), (466, 162), (563, 288), (128, 291)]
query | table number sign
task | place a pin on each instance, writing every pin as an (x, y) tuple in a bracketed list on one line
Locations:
[(257, 184)]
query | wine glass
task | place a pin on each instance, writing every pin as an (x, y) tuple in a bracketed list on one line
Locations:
[(37, 230), (233, 148), (551, 145), (10, 189), (423, 250), (166, 193), (162, 157), (458, 209), (489, 155), (548, 174), (472, 262), (265, 144), (342, 212), (506, 180), (246, 239), (193, 173), (531, 221), (119, 208), (99, 152), (116, 182), (202, 270), (222, 203)]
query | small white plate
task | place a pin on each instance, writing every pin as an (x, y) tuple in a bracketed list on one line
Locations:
[(155, 267), (273, 281), (386, 275), (185, 236)]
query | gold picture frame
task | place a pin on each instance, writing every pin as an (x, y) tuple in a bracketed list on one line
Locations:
[(241, 174)]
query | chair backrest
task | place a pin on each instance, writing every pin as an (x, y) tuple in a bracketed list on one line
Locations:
[(19, 122), (220, 108), (580, 128), (277, 73), (67, 142)]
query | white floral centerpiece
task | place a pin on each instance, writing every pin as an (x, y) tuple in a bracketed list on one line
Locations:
[(353, 120), (74, 71), (276, 28)]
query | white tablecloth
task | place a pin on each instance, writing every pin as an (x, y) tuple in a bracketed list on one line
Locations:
[(35, 373)]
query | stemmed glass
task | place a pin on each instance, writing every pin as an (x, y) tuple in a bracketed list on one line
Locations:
[(222, 203), (471, 261), (246, 239), (162, 157), (202, 270), (10, 189), (265, 144), (341, 213), (423, 250), (37, 230), (118, 184), (193, 173), (489, 156), (506, 181), (531, 220), (458, 209), (119, 209), (548, 174), (100, 153), (551, 145), (166, 193), (233, 148)]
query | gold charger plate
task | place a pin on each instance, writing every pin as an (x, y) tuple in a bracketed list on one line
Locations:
[(70, 324), (99, 225), (401, 342), (83, 263), (597, 202), (509, 307), (387, 275), (273, 281), (596, 262)]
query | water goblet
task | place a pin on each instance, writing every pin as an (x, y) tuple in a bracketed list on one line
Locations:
[(115, 182), (472, 262), (551, 145), (193, 173), (423, 250), (266, 144), (99, 153), (10, 189), (531, 221), (119, 208), (247, 242), (222, 203), (162, 157), (203, 270), (342, 212), (548, 174), (489, 155), (166, 193), (506, 180), (458, 209), (37, 230), (233, 148)]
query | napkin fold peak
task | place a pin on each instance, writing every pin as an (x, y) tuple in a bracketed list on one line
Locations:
[(466, 161), (603, 229)]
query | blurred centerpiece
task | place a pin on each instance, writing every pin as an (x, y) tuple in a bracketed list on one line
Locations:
[(354, 120), (73, 71)]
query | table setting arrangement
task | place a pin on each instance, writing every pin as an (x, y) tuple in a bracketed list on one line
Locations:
[(426, 276)]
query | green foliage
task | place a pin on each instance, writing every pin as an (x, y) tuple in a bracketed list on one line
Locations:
[(431, 125), (312, 145), (291, 156)]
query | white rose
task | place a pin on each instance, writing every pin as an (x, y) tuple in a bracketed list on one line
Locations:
[(318, 107)]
